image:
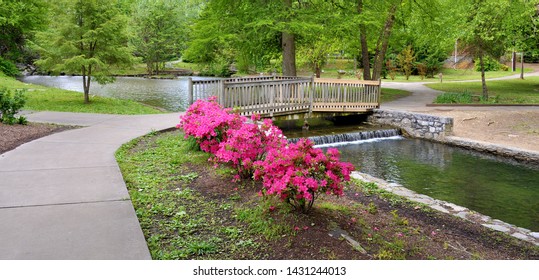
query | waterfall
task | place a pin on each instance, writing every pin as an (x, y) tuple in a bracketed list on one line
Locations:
[(354, 137)]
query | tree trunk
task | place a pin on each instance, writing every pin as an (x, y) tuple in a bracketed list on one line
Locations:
[(364, 47), (522, 66), (483, 81), (383, 42), (288, 45), (318, 71), (289, 54)]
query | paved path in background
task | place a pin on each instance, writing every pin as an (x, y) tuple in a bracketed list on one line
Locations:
[(422, 95), (63, 196)]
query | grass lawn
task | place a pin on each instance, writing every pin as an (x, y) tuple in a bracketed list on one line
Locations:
[(449, 74), (389, 94), (137, 69), (515, 91), (190, 209), (41, 98)]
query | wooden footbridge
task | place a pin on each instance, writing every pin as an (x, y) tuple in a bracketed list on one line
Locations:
[(273, 96)]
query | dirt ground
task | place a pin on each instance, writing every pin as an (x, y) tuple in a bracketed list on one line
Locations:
[(11, 136), (513, 128)]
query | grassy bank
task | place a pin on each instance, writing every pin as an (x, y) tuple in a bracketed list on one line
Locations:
[(514, 91), (189, 209), (41, 98), (389, 94)]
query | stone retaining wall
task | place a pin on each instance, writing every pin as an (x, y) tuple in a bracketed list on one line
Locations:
[(510, 152), (415, 124)]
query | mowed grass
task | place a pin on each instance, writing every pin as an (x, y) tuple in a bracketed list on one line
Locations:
[(178, 221), (41, 98), (515, 91), (330, 70), (389, 94)]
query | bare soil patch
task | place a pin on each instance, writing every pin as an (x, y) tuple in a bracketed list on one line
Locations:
[(12, 136), (512, 128)]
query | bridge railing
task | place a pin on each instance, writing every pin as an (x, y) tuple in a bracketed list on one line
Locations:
[(278, 95), (336, 95)]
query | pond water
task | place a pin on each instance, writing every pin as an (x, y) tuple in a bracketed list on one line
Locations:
[(494, 186), (166, 94)]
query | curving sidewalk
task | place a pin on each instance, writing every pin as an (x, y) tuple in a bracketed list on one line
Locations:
[(423, 95), (63, 196)]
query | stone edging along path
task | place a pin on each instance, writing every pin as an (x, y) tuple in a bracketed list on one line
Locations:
[(452, 209)]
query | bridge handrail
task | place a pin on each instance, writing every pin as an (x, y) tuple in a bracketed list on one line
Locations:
[(270, 95)]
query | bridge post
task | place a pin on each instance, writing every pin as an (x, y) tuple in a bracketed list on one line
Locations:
[(379, 92), (221, 93), (272, 96), (190, 91), (311, 96)]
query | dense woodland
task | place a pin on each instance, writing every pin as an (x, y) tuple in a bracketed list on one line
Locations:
[(88, 37)]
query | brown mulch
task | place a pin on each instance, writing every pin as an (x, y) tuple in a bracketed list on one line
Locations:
[(12, 136)]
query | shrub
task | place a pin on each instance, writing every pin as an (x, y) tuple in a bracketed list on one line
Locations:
[(8, 68), (490, 64), (248, 143), (453, 97), (10, 106), (391, 69), (421, 70), (207, 122), (299, 172), (406, 60)]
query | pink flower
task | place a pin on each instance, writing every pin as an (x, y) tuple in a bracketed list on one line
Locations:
[(353, 220), (272, 208), (296, 228), (433, 233), (356, 194), (376, 229), (400, 234), (293, 172), (305, 228)]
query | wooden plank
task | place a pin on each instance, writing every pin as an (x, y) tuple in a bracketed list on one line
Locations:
[(346, 82)]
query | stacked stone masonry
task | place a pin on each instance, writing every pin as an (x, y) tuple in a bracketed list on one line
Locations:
[(414, 124)]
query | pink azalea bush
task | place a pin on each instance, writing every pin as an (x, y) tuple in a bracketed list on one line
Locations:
[(208, 122), (298, 173), (248, 143)]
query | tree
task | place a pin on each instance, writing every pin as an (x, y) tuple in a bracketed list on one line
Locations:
[(368, 13), (255, 31), (87, 37), (521, 27), (159, 31), (484, 32), (18, 20), (406, 60)]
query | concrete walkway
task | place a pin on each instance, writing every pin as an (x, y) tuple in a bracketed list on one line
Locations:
[(423, 95), (63, 196)]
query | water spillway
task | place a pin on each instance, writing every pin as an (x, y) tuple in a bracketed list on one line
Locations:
[(353, 137)]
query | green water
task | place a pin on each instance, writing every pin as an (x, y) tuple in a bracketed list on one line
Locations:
[(494, 186)]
